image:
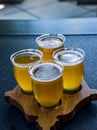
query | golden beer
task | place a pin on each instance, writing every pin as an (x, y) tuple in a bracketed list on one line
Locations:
[(72, 60), (22, 60), (47, 83), (49, 43)]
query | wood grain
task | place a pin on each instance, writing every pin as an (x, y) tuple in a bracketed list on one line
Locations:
[(49, 119)]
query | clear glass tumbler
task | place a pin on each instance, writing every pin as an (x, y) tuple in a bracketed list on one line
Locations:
[(47, 84), (48, 43), (73, 61), (21, 61)]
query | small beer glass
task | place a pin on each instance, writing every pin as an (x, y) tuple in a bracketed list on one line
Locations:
[(47, 84), (73, 61), (49, 43), (21, 61)]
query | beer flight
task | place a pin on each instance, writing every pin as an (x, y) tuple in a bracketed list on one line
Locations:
[(49, 71)]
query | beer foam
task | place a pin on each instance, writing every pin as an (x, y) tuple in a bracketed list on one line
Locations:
[(69, 58), (31, 59), (51, 42), (46, 72)]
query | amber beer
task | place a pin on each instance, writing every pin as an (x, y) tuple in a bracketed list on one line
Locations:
[(22, 60), (73, 62), (47, 84), (49, 43)]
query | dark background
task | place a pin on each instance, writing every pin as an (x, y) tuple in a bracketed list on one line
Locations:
[(13, 119)]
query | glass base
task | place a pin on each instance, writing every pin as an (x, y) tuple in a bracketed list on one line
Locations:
[(27, 92), (65, 91), (51, 108)]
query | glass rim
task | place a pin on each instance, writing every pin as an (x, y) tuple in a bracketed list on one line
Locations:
[(74, 50), (33, 68), (25, 51), (58, 36)]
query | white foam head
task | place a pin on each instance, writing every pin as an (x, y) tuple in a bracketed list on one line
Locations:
[(69, 57), (50, 41), (46, 72), (34, 52)]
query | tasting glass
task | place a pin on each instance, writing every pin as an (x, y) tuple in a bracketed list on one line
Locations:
[(73, 61), (48, 43), (21, 61), (47, 84)]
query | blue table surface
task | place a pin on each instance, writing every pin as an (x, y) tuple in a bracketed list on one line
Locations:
[(13, 119)]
